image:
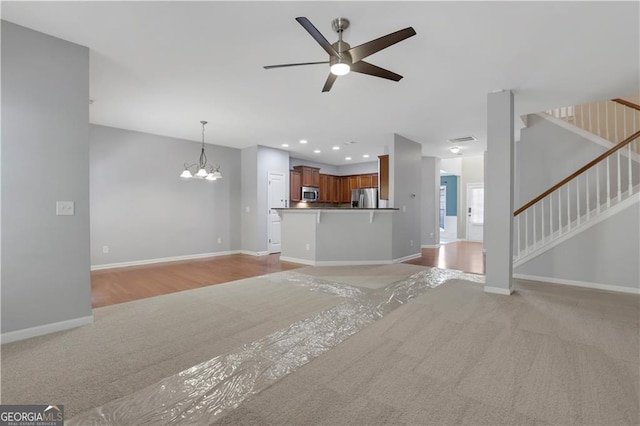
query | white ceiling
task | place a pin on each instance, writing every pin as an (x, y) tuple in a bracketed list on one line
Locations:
[(161, 67)]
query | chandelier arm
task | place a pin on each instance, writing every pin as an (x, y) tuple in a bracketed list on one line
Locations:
[(212, 172)]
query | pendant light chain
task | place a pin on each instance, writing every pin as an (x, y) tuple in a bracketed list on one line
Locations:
[(203, 156)]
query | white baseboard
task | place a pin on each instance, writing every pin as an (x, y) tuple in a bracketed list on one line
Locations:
[(13, 336), (575, 283), (296, 260), (430, 246), (352, 262), (161, 260), (406, 258), (498, 290), (254, 253), (348, 262)]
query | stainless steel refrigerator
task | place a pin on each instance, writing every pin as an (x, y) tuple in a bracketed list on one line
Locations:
[(364, 198)]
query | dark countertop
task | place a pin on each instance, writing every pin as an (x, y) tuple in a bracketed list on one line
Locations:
[(333, 208)]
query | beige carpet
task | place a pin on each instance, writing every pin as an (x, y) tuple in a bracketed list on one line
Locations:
[(135, 344), (455, 355)]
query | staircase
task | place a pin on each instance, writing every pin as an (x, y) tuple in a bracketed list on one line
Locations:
[(595, 192)]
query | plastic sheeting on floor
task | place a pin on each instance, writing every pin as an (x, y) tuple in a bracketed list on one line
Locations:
[(204, 392)]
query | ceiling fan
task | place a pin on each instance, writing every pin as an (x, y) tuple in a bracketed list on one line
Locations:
[(344, 58)]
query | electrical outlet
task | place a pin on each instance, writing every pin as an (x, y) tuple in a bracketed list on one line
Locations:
[(411, 242), (219, 240), (105, 249), (404, 209), (65, 208), (308, 246), (247, 209)]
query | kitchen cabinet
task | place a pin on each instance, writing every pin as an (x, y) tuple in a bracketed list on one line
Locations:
[(324, 188), (329, 189), (344, 190), (310, 175), (368, 181), (384, 177), (353, 183), (295, 185), (332, 183), (364, 181)]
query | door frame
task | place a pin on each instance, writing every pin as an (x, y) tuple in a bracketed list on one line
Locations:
[(274, 248), (467, 207)]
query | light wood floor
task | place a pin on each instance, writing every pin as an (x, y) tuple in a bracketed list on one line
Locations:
[(119, 285), (463, 256)]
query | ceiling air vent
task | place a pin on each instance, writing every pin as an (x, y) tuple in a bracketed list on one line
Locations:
[(463, 139)]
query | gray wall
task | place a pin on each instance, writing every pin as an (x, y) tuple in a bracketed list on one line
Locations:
[(257, 162), (606, 253), (430, 201), (249, 200), (142, 210), (269, 160), (324, 168), (45, 158), (358, 168), (405, 182), (472, 172), (603, 254), (344, 170), (351, 237), (546, 154)]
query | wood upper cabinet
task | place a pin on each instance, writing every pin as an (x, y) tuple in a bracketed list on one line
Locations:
[(333, 189), (324, 188), (344, 190), (310, 175), (332, 183), (368, 180), (364, 181), (295, 185), (329, 189), (384, 177)]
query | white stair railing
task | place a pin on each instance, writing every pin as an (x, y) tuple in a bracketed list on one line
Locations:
[(611, 120), (606, 181)]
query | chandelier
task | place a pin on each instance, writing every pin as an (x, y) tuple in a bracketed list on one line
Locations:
[(203, 170)]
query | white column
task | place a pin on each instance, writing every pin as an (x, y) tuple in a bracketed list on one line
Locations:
[(498, 226)]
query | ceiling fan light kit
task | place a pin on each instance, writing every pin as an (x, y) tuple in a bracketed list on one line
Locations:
[(343, 58)]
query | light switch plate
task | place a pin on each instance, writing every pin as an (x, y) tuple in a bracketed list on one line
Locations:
[(65, 208)]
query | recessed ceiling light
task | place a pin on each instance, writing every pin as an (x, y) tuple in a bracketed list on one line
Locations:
[(285, 145), (455, 149), (347, 158), (335, 148), (303, 141), (316, 151), (365, 155)]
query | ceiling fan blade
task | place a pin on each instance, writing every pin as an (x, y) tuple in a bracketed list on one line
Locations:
[(317, 36), (367, 68), (268, 67), (369, 48), (330, 80)]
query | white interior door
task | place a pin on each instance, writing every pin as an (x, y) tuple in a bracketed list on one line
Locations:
[(475, 211), (276, 199)]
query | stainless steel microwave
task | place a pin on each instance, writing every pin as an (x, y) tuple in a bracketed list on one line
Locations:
[(309, 194)]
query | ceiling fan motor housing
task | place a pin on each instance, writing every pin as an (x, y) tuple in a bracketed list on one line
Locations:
[(340, 24), (342, 48)]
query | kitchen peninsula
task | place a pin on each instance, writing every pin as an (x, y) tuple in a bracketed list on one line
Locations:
[(337, 236)]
